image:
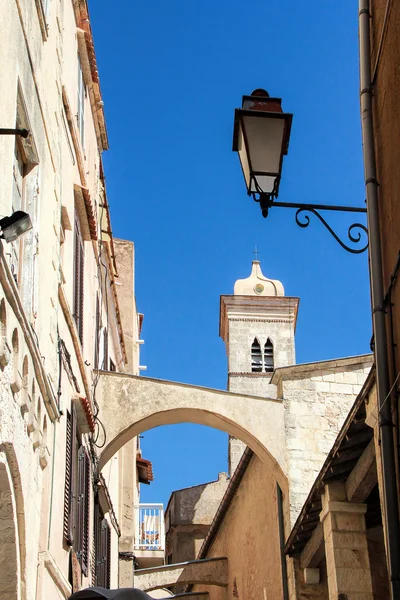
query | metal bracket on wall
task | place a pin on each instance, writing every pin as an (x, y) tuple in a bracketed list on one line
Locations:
[(355, 232)]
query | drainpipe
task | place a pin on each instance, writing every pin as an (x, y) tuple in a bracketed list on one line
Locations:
[(391, 521)]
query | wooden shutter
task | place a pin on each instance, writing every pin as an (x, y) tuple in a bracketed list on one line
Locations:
[(70, 479), (79, 259), (103, 549), (106, 545), (83, 507)]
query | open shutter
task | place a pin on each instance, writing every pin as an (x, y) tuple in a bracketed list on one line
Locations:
[(103, 549), (97, 544), (105, 554), (70, 479), (82, 525)]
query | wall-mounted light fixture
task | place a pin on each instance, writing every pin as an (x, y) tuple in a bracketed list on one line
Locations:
[(22, 132), (15, 225), (261, 139)]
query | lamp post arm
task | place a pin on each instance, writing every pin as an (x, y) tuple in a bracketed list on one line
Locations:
[(307, 206), (355, 232)]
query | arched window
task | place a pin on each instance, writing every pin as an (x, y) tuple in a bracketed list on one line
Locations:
[(268, 356), (256, 357)]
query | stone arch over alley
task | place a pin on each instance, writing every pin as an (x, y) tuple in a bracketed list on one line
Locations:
[(12, 547), (130, 405)]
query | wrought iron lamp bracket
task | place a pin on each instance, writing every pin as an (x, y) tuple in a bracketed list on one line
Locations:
[(355, 232)]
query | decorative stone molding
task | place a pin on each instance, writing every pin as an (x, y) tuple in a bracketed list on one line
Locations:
[(44, 457), (36, 438), (336, 506), (261, 320), (55, 573), (5, 352)]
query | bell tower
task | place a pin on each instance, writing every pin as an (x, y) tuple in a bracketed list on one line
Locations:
[(257, 324)]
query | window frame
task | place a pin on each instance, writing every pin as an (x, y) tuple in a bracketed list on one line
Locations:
[(78, 277), (268, 367), (82, 95), (256, 357)]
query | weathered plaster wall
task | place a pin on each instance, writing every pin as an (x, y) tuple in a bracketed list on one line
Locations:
[(249, 537)]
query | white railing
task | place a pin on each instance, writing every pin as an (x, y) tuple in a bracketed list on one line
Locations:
[(149, 531)]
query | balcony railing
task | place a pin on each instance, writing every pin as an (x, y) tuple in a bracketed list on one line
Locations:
[(149, 531)]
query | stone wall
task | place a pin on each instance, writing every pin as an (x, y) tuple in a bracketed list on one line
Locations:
[(188, 517), (317, 399)]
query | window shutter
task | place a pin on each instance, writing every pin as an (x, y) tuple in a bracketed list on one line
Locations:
[(70, 479), (102, 549), (105, 554), (82, 525)]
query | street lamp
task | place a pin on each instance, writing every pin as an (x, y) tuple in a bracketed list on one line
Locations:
[(261, 139), (14, 226)]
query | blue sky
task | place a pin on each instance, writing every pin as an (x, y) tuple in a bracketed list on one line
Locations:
[(172, 74)]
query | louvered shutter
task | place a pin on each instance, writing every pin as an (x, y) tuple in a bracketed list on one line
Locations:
[(97, 544), (70, 479), (82, 525), (103, 549), (107, 543)]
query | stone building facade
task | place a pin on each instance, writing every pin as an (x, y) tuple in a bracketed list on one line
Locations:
[(188, 516), (67, 309)]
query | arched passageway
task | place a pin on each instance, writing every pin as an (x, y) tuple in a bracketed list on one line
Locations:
[(9, 540), (130, 405)]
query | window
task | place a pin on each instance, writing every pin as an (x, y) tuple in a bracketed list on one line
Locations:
[(97, 334), (81, 103), (79, 260), (268, 356), (102, 548), (256, 358), (18, 203), (76, 494), (46, 6)]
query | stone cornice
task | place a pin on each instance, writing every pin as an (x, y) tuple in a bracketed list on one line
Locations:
[(272, 309), (302, 371)]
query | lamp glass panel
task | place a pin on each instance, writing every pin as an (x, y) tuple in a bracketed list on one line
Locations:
[(265, 183), (264, 139), (242, 150)]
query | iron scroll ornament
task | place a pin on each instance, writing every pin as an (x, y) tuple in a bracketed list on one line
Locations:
[(355, 238), (303, 220)]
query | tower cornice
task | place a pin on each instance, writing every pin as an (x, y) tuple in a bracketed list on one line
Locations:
[(263, 308)]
